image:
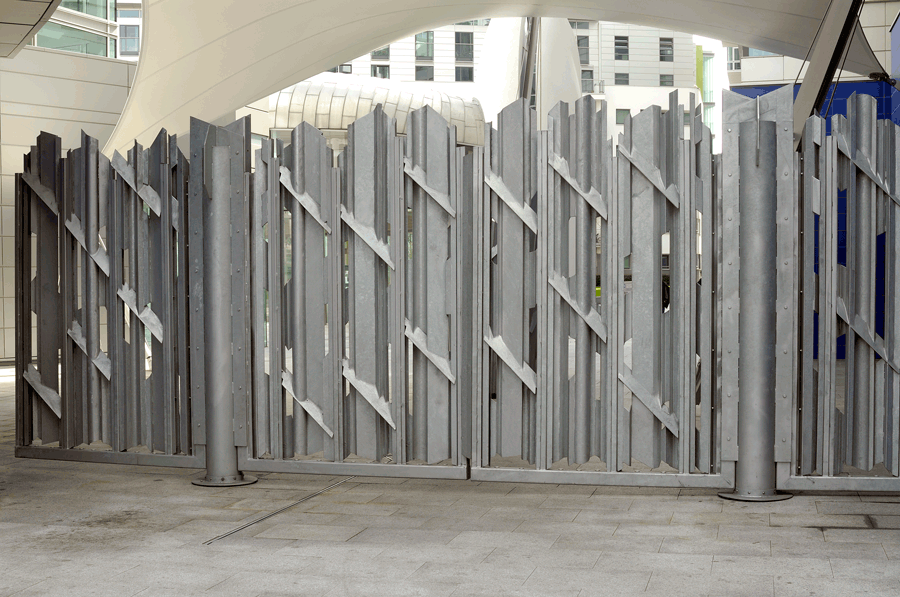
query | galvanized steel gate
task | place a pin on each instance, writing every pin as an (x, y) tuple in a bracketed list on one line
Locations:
[(428, 310)]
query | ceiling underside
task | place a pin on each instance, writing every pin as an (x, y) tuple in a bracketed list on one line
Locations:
[(20, 20)]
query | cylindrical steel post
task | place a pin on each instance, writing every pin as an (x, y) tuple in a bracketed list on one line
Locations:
[(755, 469), (583, 292), (221, 453)]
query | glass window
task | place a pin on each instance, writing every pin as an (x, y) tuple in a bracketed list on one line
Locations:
[(754, 52), (621, 78), (129, 40), (621, 47), (687, 118), (112, 10), (112, 48), (579, 24), (465, 73), (344, 69), (382, 54), (425, 47), (708, 95), (381, 71), (667, 80), (621, 116), (95, 8), (708, 116), (465, 46), (587, 81), (424, 73), (256, 142), (476, 22), (129, 14), (61, 37), (734, 58), (666, 49), (584, 48)]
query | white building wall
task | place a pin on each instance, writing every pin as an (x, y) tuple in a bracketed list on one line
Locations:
[(61, 93)]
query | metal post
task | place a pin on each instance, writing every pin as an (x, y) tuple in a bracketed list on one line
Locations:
[(221, 453), (755, 471)]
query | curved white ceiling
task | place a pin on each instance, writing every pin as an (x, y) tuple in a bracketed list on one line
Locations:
[(207, 58)]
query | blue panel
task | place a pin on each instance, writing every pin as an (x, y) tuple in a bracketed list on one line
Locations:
[(888, 107)]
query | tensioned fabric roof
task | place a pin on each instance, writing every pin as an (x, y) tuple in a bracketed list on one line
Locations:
[(207, 58), (332, 101)]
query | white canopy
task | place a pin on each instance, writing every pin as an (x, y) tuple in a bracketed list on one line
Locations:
[(207, 58)]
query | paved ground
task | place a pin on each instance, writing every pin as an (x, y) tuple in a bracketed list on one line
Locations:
[(90, 529)]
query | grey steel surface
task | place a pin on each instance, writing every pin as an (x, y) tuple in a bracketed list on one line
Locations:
[(430, 310), (755, 471)]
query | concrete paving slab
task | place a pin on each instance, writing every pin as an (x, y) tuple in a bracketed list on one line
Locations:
[(83, 528), (686, 583), (696, 545)]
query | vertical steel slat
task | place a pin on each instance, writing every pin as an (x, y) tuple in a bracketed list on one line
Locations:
[(91, 303), (431, 152), (276, 282), (239, 143), (545, 350), (892, 292), (828, 333), (554, 233), (195, 202), (180, 173), (622, 449), (466, 234), (335, 287), (297, 297), (706, 320), (23, 309), (258, 277), (114, 318), (646, 263), (787, 234), (811, 186), (144, 297), (611, 280), (49, 338), (481, 317), (160, 296)]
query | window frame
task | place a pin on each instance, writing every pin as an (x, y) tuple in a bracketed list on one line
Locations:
[(463, 68), (463, 45), (122, 37), (620, 77), (621, 47), (667, 49), (381, 53), (427, 43), (590, 73), (584, 48), (384, 68), (424, 68), (668, 82)]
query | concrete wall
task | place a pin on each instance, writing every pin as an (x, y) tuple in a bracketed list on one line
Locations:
[(61, 93)]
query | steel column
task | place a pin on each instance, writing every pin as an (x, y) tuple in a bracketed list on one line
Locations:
[(221, 454), (755, 472)]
